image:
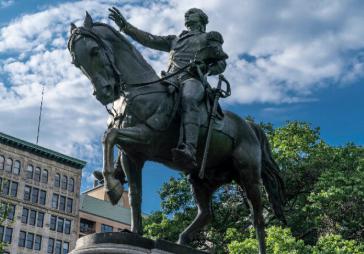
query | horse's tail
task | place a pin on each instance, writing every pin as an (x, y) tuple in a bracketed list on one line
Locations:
[(272, 180)]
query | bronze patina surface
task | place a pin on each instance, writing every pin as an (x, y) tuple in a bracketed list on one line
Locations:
[(166, 121)]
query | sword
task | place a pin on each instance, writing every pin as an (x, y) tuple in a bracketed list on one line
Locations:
[(218, 92)]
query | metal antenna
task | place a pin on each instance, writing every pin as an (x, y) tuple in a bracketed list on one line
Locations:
[(40, 114)]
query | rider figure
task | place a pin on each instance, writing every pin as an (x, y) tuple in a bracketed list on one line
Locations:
[(182, 51)]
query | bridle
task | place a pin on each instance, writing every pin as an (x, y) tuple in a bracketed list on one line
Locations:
[(121, 85)]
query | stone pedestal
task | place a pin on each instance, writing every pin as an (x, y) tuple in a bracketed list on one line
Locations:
[(127, 243)]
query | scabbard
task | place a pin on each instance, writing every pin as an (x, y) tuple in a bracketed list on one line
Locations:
[(209, 131)]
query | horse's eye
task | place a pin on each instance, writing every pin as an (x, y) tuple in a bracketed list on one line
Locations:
[(94, 51)]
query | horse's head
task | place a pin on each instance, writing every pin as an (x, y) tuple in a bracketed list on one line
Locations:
[(94, 56)]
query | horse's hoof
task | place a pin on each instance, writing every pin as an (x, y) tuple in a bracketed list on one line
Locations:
[(115, 194), (183, 240)]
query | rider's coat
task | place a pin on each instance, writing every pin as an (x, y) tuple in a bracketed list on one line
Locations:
[(183, 48)]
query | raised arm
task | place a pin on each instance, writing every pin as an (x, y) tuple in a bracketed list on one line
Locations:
[(163, 43)]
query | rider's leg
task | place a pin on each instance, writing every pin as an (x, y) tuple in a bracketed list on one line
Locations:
[(192, 95)]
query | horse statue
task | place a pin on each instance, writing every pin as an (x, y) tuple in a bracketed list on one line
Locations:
[(145, 126)]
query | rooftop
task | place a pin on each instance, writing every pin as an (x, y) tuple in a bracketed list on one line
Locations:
[(41, 151), (105, 209)]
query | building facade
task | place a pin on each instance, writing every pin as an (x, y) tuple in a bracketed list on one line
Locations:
[(41, 190), (98, 215)]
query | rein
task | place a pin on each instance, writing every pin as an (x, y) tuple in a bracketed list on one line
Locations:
[(161, 79), (122, 84)]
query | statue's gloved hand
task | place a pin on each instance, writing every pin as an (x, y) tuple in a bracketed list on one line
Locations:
[(199, 65), (118, 18)]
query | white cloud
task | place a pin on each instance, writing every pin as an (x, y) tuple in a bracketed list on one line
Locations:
[(280, 51), (5, 3)]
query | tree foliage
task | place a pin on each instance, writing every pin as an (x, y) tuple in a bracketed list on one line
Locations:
[(325, 201)]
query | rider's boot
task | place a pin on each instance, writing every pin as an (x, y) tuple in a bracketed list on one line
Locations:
[(185, 154)]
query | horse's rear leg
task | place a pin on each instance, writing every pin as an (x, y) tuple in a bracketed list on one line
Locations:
[(255, 203), (247, 163), (202, 197)]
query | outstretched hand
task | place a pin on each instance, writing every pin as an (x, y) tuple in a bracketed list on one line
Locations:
[(117, 17)]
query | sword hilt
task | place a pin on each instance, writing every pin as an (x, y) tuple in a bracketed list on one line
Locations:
[(223, 93)]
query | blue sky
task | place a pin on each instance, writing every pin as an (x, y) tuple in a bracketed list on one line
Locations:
[(288, 60)]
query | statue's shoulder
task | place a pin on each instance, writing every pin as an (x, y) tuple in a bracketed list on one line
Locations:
[(214, 36)]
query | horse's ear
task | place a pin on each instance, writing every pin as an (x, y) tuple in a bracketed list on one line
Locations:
[(73, 27), (87, 23)]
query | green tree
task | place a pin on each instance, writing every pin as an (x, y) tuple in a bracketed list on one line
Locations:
[(337, 200), (279, 241), (335, 244)]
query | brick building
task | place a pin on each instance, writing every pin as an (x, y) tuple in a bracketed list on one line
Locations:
[(97, 214), (41, 189)]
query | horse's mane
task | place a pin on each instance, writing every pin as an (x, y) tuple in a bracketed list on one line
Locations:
[(124, 42)]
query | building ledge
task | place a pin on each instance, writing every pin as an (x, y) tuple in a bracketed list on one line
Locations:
[(41, 151)]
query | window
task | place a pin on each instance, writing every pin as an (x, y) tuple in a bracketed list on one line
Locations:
[(42, 197), (71, 185), (8, 235), (69, 205), (58, 249), (55, 201), (29, 172), (45, 176), (106, 228), (29, 241), (35, 193), (50, 245), (65, 247), (22, 237), (52, 223), (62, 203), (60, 225), (87, 226), (27, 191), (1, 232), (64, 182), (8, 164), (6, 187), (14, 189), (16, 169), (2, 162), (67, 226), (40, 219), (11, 211), (38, 242), (32, 217), (24, 216), (37, 173), (57, 180)]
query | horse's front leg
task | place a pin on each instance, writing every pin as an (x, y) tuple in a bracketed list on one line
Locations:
[(122, 137), (132, 167), (133, 170), (113, 186)]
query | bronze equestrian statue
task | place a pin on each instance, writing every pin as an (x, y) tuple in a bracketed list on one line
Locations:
[(146, 119)]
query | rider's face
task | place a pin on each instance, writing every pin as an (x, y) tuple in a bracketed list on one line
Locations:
[(191, 18)]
